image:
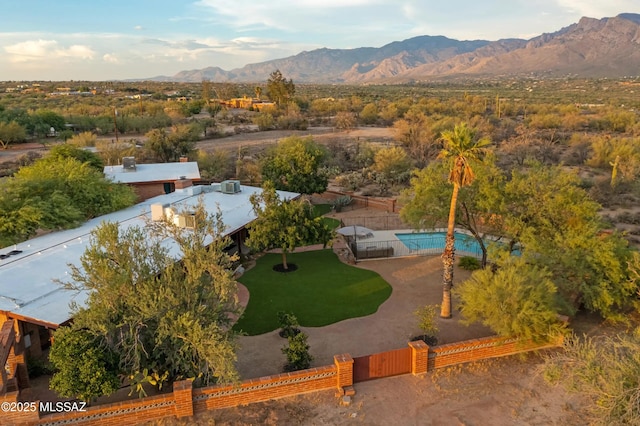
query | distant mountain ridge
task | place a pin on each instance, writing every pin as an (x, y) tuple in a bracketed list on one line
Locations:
[(607, 47)]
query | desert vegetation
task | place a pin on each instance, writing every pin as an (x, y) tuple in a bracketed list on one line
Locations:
[(560, 174)]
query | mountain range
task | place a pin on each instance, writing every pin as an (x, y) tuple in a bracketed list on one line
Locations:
[(607, 47)]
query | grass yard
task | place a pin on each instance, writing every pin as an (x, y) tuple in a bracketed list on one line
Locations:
[(321, 292), (322, 209)]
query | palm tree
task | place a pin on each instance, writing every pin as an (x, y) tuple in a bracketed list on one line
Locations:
[(460, 148)]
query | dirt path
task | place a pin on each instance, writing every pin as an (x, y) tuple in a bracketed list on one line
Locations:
[(255, 139), (319, 134)]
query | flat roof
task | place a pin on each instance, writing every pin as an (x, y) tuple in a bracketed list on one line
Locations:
[(156, 172), (28, 286)]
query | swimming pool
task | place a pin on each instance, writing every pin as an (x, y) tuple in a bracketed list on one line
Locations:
[(433, 242)]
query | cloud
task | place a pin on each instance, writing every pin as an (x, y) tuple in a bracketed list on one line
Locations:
[(38, 50), (597, 8), (138, 28), (111, 58), (301, 16)]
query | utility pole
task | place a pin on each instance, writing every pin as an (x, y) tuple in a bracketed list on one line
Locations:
[(115, 123)]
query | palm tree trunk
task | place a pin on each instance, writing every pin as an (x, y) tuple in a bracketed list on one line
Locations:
[(448, 256), (284, 260)]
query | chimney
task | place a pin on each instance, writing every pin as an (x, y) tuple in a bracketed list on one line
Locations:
[(184, 159), (183, 183)]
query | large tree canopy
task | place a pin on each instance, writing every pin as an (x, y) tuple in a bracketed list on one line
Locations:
[(549, 216), (293, 165), (57, 192), (426, 201), (461, 150), (166, 147), (283, 223), (518, 299), (280, 90), (166, 319), (559, 227), (85, 367)]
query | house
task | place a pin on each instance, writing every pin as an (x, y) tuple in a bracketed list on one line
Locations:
[(33, 303), (150, 180)]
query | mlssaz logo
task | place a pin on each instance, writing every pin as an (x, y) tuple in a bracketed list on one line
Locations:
[(62, 406)]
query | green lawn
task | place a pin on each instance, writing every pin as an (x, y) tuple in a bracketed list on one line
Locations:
[(322, 209), (322, 291)]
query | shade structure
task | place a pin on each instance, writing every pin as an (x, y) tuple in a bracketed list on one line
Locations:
[(355, 231)]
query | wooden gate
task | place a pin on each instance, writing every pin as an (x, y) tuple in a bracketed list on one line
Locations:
[(383, 364)]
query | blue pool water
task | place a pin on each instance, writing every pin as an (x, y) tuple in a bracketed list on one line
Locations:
[(435, 241)]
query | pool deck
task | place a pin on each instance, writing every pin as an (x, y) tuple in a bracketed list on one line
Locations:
[(383, 238)]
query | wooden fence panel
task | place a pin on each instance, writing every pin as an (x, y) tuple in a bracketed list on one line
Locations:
[(384, 364)]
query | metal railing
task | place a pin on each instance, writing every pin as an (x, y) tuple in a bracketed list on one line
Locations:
[(363, 249), (377, 223)]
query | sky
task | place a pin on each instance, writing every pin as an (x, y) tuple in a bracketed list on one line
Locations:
[(100, 40)]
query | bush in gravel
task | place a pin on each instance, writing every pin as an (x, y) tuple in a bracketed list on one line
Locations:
[(426, 316), (288, 324), (297, 352)]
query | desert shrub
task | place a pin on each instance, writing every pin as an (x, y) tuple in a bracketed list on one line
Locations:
[(341, 201), (84, 139), (605, 369), (297, 352), (469, 263), (426, 316), (351, 181), (288, 324), (264, 121)]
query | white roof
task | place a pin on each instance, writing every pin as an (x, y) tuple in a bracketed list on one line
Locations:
[(28, 285), (157, 172)]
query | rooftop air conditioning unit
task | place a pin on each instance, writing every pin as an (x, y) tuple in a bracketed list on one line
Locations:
[(158, 211), (187, 220), (230, 186)]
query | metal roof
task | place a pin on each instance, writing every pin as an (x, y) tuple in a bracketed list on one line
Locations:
[(158, 172), (28, 280)]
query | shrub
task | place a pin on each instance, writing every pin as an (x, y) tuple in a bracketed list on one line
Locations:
[(297, 352), (38, 367), (340, 202), (288, 324), (351, 181), (469, 263), (426, 317)]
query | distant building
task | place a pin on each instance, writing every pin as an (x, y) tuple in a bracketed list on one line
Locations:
[(150, 180)]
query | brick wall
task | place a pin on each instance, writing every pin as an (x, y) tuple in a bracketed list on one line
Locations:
[(14, 417), (12, 354), (144, 191), (265, 388), (478, 349), (386, 204), (124, 413), (33, 331), (7, 338), (184, 401)]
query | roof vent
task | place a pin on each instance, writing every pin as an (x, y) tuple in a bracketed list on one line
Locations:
[(129, 164)]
